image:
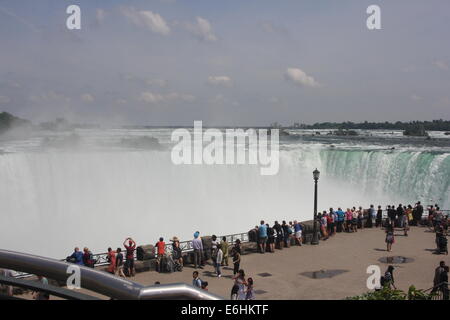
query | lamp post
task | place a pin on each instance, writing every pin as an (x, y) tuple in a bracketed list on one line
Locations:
[(315, 237)]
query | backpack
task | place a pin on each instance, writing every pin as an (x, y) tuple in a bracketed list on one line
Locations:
[(382, 281)]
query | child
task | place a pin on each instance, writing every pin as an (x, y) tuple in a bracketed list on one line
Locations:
[(389, 237), (250, 295)]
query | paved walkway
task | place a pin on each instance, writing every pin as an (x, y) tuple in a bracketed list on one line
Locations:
[(288, 273), (349, 254)]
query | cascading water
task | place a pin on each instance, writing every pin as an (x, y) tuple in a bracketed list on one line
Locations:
[(54, 200)]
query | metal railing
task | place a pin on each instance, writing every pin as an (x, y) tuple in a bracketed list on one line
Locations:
[(186, 246), (438, 291), (97, 281)]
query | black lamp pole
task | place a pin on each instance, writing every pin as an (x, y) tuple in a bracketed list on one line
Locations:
[(315, 237)]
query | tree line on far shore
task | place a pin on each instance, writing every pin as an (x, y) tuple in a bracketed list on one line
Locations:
[(434, 125)]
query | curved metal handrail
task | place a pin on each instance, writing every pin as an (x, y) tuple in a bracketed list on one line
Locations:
[(51, 290), (98, 281)]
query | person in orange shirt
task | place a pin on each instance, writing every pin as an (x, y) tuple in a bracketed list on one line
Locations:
[(161, 250)]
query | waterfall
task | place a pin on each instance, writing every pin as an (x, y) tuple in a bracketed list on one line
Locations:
[(52, 201)]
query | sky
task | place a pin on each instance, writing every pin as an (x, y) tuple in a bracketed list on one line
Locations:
[(237, 63)]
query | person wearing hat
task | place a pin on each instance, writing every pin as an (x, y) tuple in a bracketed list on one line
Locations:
[(197, 245), (176, 250)]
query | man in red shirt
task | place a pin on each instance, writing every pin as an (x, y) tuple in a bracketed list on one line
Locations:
[(129, 263), (161, 250)]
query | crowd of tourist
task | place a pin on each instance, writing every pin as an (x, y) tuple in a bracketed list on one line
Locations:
[(268, 238)]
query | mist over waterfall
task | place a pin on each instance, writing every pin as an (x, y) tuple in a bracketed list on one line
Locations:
[(54, 200)]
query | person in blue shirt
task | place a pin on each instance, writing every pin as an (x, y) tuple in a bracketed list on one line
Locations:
[(340, 219), (76, 257), (262, 231), (196, 281), (298, 232)]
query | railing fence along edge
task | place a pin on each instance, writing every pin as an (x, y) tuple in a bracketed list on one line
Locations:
[(186, 246)]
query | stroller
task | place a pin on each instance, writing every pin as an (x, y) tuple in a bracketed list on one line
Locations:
[(177, 266), (170, 265)]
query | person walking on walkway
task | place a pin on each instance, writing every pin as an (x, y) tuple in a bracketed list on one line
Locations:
[(197, 245), (225, 249), (390, 236), (218, 261), (241, 283), (236, 254)]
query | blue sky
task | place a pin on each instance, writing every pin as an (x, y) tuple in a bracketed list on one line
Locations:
[(170, 62)]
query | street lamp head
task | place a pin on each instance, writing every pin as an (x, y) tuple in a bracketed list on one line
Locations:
[(316, 174)]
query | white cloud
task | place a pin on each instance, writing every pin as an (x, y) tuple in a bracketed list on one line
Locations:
[(100, 15), (299, 77), (121, 101), (86, 97), (155, 98), (157, 82), (202, 30), (4, 100), (220, 81), (144, 81), (49, 97), (441, 64), (270, 27), (148, 19), (150, 97), (415, 97)]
